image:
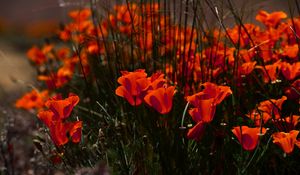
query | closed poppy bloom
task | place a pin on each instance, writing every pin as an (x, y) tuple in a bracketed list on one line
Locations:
[(248, 137), (62, 108), (32, 100), (161, 99), (133, 86), (286, 141), (270, 19), (197, 131)]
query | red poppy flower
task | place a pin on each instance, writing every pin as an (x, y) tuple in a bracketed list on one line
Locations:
[(286, 140), (133, 84), (161, 99), (248, 137)]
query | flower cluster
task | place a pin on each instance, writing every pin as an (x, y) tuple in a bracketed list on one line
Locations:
[(204, 104), (55, 119), (241, 81), (136, 87)]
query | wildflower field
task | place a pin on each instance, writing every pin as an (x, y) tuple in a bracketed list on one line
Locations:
[(166, 87)]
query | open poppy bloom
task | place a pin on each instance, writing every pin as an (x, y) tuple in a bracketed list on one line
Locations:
[(246, 68), (62, 108), (287, 124), (248, 137), (286, 141), (270, 19), (133, 84), (32, 100), (161, 99), (266, 110), (270, 72)]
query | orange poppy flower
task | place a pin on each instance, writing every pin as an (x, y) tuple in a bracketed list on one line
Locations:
[(205, 110), (161, 99), (290, 71), (286, 124), (80, 15), (62, 108), (205, 101), (291, 51), (219, 93), (33, 100), (58, 133), (270, 19), (266, 110), (270, 73), (58, 129), (46, 117), (37, 55), (248, 137), (133, 84), (59, 78), (286, 140), (246, 68), (156, 80)]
